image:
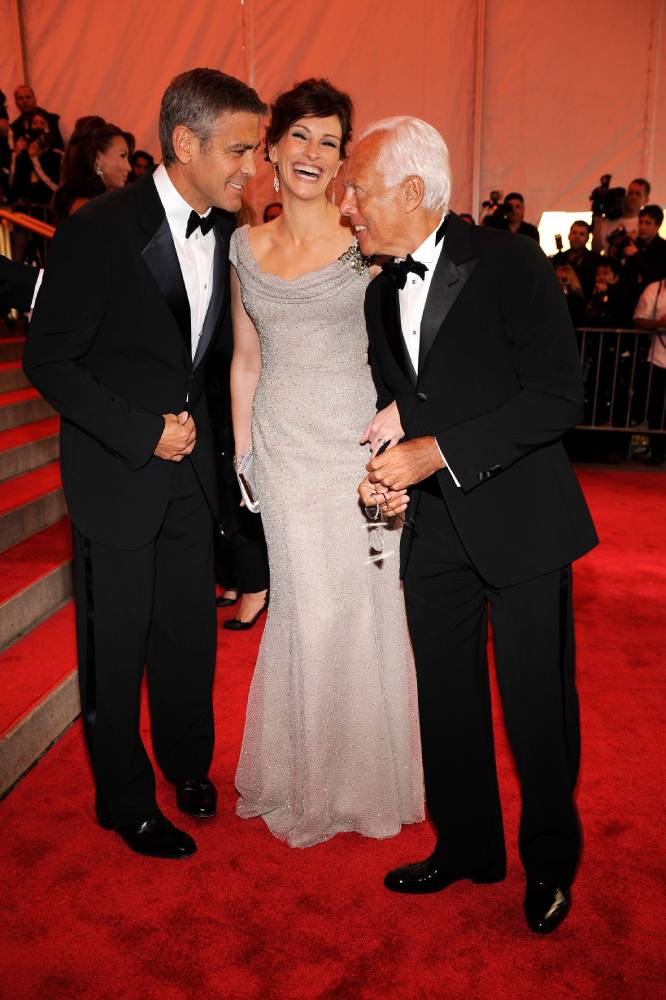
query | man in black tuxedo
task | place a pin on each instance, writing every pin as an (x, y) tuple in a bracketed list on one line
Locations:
[(18, 285), (476, 368), (135, 293)]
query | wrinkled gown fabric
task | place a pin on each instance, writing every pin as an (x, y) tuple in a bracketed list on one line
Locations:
[(331, 738)]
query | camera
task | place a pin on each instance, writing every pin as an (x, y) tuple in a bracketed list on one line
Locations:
[(606, 200), (618, 240)]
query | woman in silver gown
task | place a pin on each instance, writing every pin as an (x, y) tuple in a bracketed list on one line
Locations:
[(331, 738)]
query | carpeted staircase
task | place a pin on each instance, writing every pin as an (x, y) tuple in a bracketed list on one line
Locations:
[(38, 692)]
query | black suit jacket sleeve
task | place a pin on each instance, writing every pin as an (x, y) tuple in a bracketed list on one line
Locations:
[(17, 285), (67, 317), (549, 397)]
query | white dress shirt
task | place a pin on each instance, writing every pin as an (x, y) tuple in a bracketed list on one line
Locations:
[(412, 300), (196, 254)]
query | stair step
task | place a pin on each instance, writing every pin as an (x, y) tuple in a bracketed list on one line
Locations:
[(27, 447), (11, 348), (29, 503), (12, 377), (35, 578), (22, 406), (39, 695)]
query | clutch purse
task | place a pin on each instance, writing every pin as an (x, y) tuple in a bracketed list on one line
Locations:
[(244, 469)]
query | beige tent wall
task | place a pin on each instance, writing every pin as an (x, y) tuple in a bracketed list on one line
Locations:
[(566, 92)]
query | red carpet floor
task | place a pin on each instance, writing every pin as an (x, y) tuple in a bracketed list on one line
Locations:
[(251, 918)]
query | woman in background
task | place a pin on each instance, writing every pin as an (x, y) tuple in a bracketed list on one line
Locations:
[(96, 161)]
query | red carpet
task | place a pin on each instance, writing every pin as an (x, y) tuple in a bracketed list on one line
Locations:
[(251, 919)]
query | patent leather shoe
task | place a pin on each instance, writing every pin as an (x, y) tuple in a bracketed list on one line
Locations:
[(427, 876), (197, 798), (238, 625), (158, 838), (227, 602), (546, 906)]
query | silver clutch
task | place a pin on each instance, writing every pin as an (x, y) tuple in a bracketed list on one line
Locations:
[(244, 468)]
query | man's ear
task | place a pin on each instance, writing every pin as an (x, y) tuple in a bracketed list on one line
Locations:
[(183, 141), (413, 191)]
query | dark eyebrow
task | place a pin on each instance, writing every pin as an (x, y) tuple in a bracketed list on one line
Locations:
[(326, 135), (236, 146)]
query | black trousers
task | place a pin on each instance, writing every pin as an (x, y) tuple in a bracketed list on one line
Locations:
[(152, 608), (447, 609)]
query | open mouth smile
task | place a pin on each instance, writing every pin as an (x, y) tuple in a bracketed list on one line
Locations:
[(307, 172)]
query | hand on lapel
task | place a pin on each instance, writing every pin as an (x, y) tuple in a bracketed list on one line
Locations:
[(406, 464)]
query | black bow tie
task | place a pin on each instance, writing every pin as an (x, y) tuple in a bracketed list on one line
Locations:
[(398, 270), (205, 223)]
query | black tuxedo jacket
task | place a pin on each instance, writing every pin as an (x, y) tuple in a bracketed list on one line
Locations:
[(499, 383), (109, 348), (17, 285)]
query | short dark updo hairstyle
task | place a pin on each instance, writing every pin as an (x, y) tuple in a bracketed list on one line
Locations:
[(310, 99)]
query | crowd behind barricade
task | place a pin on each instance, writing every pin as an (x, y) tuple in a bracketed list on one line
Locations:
[(613, 272)]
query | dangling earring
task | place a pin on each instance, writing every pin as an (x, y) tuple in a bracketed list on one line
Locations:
[(333, 191), (99, 172), (276, 179)]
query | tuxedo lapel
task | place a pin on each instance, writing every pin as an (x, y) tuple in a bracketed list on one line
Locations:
[(162, 261), (218, 293), (390, 317), (453, 269), (159, 254)]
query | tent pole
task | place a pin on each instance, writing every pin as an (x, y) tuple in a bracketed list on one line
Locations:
[(478, 104), (19, 43), (650, 126)]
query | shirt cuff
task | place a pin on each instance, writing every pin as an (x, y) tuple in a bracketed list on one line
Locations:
[(453, 475), (38, 285)]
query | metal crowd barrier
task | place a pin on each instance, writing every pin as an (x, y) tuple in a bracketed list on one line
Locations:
[(619, 380)]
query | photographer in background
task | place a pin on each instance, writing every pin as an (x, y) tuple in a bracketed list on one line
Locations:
[(26, 102), (511, 217), (616, 213), (36, 166), (644, 258), (583, 261), (572, 290)]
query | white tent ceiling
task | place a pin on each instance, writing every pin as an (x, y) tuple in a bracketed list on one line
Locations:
[(537, 98)]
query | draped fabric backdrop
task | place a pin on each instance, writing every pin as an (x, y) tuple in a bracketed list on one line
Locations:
[(541, 99)]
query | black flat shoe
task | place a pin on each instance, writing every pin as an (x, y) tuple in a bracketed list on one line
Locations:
[(426, 876), (227, 602), (158, 838), (197, 798), (236, 625), (546, 906)]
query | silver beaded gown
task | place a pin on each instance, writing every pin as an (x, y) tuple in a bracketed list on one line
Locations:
[(331, 739)]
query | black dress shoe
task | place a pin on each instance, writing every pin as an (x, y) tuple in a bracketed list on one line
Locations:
[(427, 876), (158, 838), (236, 625), (546, 906), (197, 798)]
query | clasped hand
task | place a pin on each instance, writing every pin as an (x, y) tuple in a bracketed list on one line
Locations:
[(405, 464), (178, 437)]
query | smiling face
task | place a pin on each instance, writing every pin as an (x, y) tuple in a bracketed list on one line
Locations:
[(215, 172), (308, 156), (377, 213), (114, 164)]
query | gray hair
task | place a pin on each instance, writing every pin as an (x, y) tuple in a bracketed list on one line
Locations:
[(414, 148), (197, 99)]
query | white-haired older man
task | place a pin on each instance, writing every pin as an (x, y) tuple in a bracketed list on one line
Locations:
[(478, 376)]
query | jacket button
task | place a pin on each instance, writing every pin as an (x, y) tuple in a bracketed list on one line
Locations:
[(482, 476), (422, 397)]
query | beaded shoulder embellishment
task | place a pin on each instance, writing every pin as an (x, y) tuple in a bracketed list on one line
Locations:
[(355, 259)]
